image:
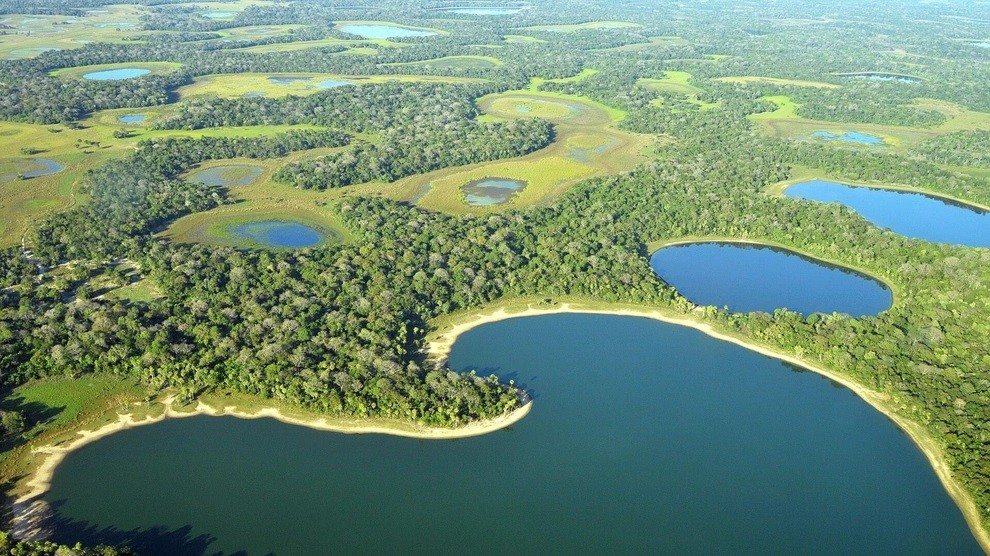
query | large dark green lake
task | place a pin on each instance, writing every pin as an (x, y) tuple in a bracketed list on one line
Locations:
[(645, 438)]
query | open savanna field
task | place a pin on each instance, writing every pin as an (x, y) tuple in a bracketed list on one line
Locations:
[(298, 84)]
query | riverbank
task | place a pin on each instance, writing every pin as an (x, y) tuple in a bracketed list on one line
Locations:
[(29, 514), (439, 349)]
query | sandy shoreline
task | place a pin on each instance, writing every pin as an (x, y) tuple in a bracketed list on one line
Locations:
[(441, 346), (28, 511)]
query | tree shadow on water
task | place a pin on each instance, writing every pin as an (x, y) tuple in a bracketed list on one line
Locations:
[(145, 541)]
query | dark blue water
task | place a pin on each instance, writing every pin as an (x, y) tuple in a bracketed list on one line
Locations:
[(747, 277), (383, 31), (110, 75), (911, 214), (645, 438), (849, 137), (276, 233), (491, 191)]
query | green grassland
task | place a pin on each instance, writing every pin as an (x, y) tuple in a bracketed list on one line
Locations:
[(154, 67), (777, 81), (521, 38), (455, 62), (678, 83), (363, 46), (31, 33), (581, 26), (339, 24), (238, 85), (586, 145), (785, 122)]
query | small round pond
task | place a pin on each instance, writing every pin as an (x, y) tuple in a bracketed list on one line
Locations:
[(491, 191), (132, 118), (849, 137), (914, 215), (232, 175), (748, 277), (277, 234), (116, 74), (383, 31)]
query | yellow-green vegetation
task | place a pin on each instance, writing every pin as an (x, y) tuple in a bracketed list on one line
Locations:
[(153, 67), (455, 62), (678, 83), (32, 34), (586, 145), (339, 24), (958, 117), (786, 109), (536, 82), (580, 26), (362, 46), (522, 38), (299, 84), (777, 81), (56, 406)]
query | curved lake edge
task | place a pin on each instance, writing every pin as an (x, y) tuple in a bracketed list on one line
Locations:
[(691, 240), (27, 511), (443, 339), (779, 189)]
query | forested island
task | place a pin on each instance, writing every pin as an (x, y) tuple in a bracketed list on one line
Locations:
[(627, 126)]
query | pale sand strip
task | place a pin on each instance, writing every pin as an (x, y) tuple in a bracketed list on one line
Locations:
[(40, 480), (440, 349)]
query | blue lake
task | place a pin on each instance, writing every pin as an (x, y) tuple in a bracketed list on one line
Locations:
[(230, 175), (122, 73), (42, 167), (881, 76), (749, 277), (383, 31), (491, 191), (644, 438), (849, 137), (333, 83), (132, 118), (910, 214), (278, 234)]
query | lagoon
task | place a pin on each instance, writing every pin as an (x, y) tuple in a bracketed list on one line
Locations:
[(849, 137), (750, 277), (277, 234), (383, 31), (491, 191), (645, 437), (914, 215), (115, 74)]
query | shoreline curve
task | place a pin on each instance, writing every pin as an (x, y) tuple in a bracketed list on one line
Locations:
[(440, 348)]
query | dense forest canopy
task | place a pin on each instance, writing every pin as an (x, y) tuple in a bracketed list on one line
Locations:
[(723, 89)]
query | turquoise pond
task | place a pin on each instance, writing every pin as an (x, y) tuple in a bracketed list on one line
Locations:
[(750, 277), (383, 31), (849, 137), (132, 118), (115, 74), (644, 438), (230, 175), (907, 213), (491, 191), (277, 234), (333, 83), (218, 15)]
